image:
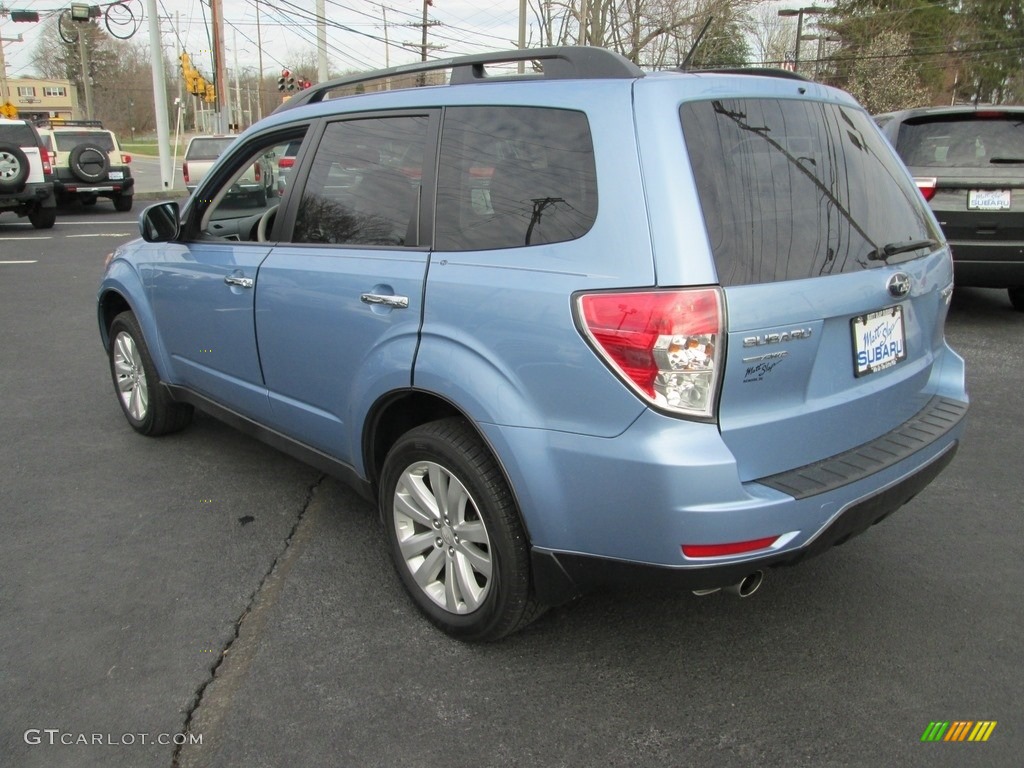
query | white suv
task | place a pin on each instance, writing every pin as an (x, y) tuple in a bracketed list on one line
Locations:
[(88, 163), (26, 186)]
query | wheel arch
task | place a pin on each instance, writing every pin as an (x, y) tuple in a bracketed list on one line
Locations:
[(396, 413), (121, 291)]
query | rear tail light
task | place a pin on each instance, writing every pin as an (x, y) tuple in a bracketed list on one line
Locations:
[(286, 162), (668, 346), (256, 171), (126, 159), (184, 171), (44, 155), (927, 186), (730, 548)]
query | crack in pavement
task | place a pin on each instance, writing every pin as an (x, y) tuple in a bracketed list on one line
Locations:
[(263, 597)]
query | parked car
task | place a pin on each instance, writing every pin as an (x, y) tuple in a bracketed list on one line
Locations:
[(968, 162), (257, 183), (88, 163), (564, 329), (26, 178)]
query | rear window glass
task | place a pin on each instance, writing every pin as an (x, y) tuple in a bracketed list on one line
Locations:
[(961, 141), (68, 140), (797, 189), (514, 176), (207, 149), (20, 134)]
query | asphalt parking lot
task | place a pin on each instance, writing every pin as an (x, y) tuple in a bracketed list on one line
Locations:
[(205, 587)]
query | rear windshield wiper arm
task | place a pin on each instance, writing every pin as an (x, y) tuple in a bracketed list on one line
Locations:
[(902, 246), (1007, 160)]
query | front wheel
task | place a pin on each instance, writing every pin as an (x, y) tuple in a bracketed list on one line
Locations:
[(454, 532), (147, 406)]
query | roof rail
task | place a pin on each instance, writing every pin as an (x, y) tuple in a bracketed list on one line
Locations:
[(784, 74), (560, 63), (59, 122)]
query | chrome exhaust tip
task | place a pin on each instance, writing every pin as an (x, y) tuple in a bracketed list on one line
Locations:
[(748, 585)]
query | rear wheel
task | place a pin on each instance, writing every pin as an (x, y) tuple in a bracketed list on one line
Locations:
[(147, 406), (1017, 298), (454, 532), (123, 203), (42, 218)]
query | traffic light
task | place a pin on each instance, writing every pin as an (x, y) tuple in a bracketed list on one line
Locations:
[(286, 82), (290, 82), (305, 83)]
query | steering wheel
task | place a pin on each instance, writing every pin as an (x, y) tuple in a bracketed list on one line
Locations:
[(265, 223)]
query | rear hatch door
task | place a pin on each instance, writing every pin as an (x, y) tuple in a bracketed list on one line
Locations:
[(835, 276)]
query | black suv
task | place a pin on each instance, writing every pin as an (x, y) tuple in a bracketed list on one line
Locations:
[(968, 162), (26, 181), (88, 163)]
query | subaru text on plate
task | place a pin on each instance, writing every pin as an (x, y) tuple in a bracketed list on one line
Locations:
[(569, 327)]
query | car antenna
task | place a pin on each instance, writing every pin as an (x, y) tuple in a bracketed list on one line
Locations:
[(685, 65)]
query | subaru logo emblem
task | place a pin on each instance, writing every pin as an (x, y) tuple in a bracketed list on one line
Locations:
[(899, 285)]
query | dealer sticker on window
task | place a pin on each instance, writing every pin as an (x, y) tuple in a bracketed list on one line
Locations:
[(878, 340), (988, 199)]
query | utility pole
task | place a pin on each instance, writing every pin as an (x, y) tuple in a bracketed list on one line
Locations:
[(387, 43), (423, 45), (83, 57), (522, 32), (259, 46), (321, 41), (163, 133), (220, 80)]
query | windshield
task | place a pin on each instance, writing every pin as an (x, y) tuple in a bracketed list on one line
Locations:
[(796, 189), (972, 140), (207, 149), (68, 140)]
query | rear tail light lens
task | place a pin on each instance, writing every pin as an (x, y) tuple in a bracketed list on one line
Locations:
[(286, 162), (126, 159), (730, 548), (256, 171), (927, 187), (668, 346), (184, 171), (44, 155)]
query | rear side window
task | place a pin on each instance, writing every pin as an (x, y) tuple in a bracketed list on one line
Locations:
[(68, 140), (207, 149), (962, 141), (795, 189), (514, 176), (363, 185)]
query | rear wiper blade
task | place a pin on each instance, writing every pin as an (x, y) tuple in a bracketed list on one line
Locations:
[(1007, 160), (902, 246)]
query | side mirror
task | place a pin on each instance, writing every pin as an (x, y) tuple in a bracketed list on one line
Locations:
[(160, 223)]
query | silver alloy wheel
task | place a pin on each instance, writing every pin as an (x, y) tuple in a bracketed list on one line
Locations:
[(131, 376), (442, 538), (9, 166)]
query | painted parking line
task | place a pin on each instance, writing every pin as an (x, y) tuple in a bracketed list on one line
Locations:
[(102, 234), (27, 237), (33, 261)]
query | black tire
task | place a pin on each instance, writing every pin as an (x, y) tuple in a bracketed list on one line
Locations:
[(478, 546), (1017, 298), (42, 218), (13, 168), (89, 163), (123, 203), (136, 382), (261, 198)]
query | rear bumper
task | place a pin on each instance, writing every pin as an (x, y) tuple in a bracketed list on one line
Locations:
[(602, 510), (560, 576), (986, 264), (66, 187)]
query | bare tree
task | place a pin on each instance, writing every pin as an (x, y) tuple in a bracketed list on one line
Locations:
[(883, 79)]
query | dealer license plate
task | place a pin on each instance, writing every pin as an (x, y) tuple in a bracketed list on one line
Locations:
[(879, 341), (988, 200), (116, 175)]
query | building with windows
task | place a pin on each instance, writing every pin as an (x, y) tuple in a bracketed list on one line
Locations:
[(38, 98)]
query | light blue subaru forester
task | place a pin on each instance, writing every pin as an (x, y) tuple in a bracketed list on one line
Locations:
[(569, 326)]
